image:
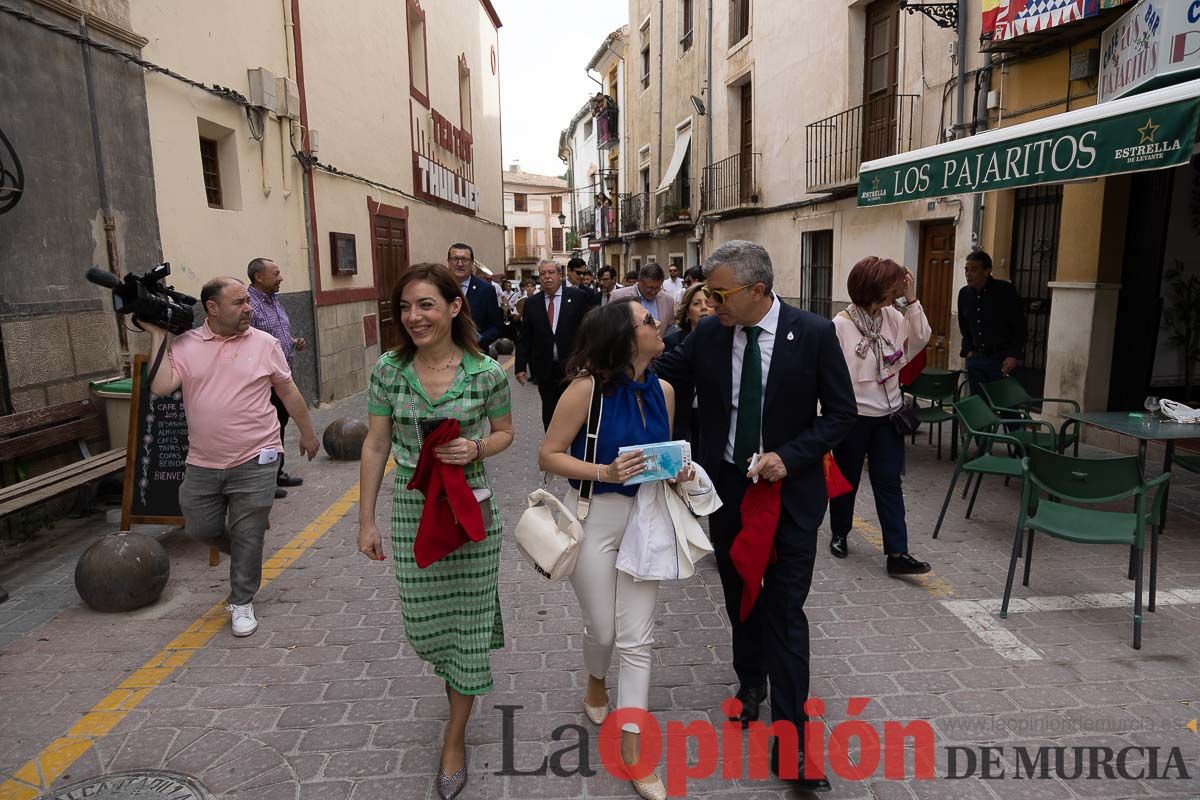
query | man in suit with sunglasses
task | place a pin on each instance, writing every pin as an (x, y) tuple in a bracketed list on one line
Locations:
[(781, 362)]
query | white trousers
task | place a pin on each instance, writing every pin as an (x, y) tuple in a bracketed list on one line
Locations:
[(618, 611)]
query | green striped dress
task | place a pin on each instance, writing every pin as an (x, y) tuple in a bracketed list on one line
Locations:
[(452, 607)]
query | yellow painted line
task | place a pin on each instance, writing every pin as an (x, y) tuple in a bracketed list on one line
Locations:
[(930, 581), (36, 777)]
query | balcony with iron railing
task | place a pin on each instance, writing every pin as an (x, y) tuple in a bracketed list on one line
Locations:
[(634, 213), (525, 253), (674, 206), (731, 183), (586, 222), (839, 144)]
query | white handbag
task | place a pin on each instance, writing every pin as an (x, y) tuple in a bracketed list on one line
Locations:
[(548, 534)]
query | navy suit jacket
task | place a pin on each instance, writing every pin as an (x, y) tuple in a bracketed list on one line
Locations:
[(807, 367), (485, 310), (535, 348)]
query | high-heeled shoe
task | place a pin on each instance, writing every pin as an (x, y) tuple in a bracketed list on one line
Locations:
[(597, 714), (448, 786), (650, 788)]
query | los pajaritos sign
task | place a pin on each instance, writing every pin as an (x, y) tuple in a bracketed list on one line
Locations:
[(1155, 43), (1152, 138)]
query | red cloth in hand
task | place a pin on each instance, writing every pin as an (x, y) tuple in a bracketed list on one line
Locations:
[(754, 545), (836, 484), (451, 516), (910, 371)]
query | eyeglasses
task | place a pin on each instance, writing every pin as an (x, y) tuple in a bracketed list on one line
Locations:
[(461, 260), (719, 296)]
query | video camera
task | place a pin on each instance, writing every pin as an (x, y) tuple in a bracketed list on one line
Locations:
[(148, 299)]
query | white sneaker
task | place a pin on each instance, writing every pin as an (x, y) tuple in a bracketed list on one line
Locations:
[(244, 622)]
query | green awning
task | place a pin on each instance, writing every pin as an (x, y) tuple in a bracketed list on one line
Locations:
[(1154, 130)]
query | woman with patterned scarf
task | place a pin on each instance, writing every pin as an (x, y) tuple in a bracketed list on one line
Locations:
[(882, 329)]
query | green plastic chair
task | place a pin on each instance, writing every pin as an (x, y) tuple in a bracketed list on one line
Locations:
[(940, 391), (1188, 461), (980, 427), (1072, 486), (1008, 397)]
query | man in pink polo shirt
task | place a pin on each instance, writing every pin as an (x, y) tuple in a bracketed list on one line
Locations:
[(227, 370)]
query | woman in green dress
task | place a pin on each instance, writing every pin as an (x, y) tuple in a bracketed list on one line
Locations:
[(451, 607)]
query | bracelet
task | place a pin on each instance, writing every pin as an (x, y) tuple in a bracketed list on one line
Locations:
[(478, 449), (598, 473)]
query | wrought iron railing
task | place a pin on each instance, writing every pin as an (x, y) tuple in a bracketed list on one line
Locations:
[(731, 183), (839, 144), (586, 225), (634, 216), (673, 206), (525, 252)]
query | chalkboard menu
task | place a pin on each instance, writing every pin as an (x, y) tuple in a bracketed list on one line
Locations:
[(156, 455)]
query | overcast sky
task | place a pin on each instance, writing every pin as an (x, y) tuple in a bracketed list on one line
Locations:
[(544, 47)]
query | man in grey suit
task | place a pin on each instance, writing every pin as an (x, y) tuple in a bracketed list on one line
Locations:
[(649, 293)]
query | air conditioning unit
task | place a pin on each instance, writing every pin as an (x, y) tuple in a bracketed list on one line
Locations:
[(262, 88), (287, 98)]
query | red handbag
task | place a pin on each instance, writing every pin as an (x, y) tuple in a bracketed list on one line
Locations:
[(836, 484)]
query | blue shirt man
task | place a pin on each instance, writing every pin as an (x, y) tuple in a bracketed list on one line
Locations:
[(479, 294)]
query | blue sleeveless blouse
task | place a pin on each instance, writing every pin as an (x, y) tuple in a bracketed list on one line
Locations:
[(621, 425)]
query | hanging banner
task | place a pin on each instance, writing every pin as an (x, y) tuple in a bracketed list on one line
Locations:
[(1083, 144)]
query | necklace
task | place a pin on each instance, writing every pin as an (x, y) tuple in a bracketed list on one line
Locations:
[(451, 362)]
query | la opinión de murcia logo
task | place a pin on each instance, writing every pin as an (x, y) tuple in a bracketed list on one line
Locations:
[(852, 750)]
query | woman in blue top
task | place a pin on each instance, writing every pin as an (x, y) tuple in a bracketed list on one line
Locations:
[(615, 345)]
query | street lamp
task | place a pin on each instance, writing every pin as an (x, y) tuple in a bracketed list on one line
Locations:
[(562, 220)]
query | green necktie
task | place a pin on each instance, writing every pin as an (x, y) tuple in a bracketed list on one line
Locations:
[(749, 419)]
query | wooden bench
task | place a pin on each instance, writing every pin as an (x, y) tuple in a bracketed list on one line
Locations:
[(33, 432)]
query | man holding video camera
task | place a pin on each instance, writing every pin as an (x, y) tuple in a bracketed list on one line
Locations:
[(227, 370)]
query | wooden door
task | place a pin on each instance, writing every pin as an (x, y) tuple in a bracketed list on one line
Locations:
[(747, 143), (935, 288), (391, 261), (879, 79)]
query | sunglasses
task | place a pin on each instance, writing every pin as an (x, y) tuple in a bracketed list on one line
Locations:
[(719, 296), (649, 321)]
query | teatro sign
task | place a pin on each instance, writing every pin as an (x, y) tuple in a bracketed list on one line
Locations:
[(443, 162), (1155, 43)]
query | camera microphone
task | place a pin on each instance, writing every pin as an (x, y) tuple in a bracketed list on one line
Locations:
[(103, 278)]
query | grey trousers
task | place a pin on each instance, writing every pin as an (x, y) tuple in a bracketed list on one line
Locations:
[(237, 502)]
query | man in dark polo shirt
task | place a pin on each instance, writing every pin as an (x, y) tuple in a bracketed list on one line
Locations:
[(992, 322)]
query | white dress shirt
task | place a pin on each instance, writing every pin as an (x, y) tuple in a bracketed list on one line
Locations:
[(558, 299), (674, 287), (766, 346)]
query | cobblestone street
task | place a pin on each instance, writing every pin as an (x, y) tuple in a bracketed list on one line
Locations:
[(327, 701)]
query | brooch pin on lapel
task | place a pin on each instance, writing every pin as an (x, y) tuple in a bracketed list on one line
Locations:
[(791, 336)]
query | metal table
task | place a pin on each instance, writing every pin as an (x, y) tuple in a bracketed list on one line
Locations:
[(1145, 430)]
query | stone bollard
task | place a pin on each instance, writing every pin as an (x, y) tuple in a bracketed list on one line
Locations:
[(343, 439), (122, 572)]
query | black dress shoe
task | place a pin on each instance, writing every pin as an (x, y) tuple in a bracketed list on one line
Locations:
[(800, 782), (838, 546), (905, 564), (751, 698), (287, 480), (280, 493)]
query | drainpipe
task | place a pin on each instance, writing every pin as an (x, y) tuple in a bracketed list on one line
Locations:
[(660, 87), (960, 50), (287, 126), (110, 223), (708, 117), (980, 123), (310, 237)]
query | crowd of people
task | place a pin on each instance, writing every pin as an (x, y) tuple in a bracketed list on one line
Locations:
[(761, 390)]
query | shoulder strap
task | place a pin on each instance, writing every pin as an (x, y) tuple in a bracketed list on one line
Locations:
[(591, 443)]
